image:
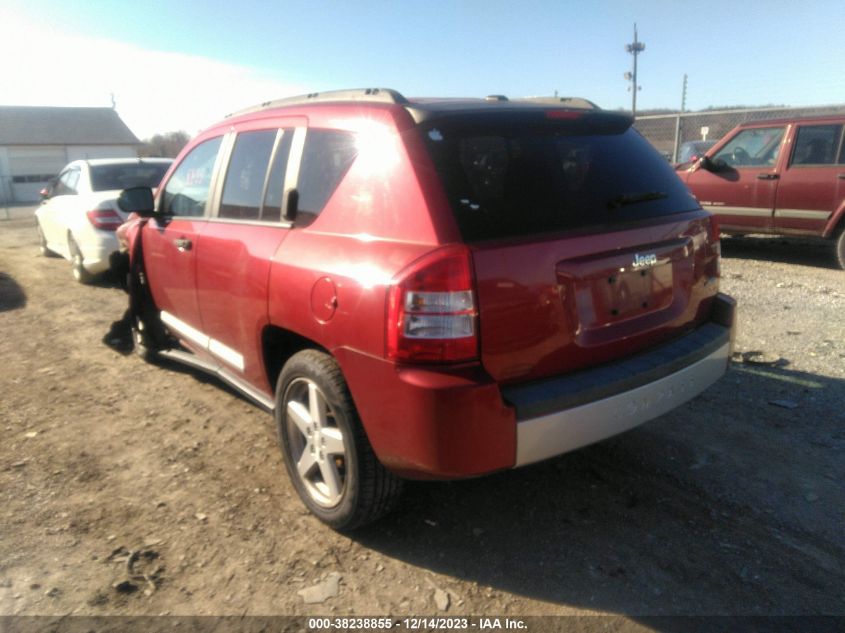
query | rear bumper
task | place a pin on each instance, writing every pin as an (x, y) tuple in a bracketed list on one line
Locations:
[(545, 436), (563, 414), (96, 250), (432, 423)]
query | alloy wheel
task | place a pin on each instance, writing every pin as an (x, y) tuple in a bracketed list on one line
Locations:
[(316, 443)]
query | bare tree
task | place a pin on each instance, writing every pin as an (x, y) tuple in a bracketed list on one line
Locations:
[(164, 145)]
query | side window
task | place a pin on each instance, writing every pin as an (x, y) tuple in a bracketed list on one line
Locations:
[(66, 185), (245, 176), (757, 147), (816, 144), (326, 157), (272, 210), (186, 192)]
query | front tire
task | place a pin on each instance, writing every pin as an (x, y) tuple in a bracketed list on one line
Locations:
[(42, 242), (76, 261), (142, 343), (326, 451), (840, 248)]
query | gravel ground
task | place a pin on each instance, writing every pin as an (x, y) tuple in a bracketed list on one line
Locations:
[(133, 489)]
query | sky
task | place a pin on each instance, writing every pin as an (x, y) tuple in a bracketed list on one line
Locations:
[(184, 64)]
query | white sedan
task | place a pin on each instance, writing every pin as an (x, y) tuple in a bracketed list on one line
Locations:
[(78, 216)]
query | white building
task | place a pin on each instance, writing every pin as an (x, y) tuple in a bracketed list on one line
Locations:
[(36, 142)]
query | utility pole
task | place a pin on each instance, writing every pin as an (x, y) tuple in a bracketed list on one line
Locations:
[(678, 120), (635, 49)]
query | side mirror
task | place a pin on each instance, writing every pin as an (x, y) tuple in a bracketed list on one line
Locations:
[(292, 205), (137, 200), (713, 165), (47, 191)]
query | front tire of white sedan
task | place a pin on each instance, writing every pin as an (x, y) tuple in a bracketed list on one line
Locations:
[(76, 261), (42, 242), (327, 454)]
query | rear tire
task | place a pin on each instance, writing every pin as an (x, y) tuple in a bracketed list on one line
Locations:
[(326, 451), (76, 261)]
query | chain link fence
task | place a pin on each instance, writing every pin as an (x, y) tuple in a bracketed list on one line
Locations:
[(668, 131)]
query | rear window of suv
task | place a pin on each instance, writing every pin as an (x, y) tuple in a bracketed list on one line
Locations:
[(509, 180)]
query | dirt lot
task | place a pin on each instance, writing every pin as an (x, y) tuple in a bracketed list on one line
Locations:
[(733, 504)]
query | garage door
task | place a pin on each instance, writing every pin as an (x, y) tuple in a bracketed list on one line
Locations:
[(31, 167)]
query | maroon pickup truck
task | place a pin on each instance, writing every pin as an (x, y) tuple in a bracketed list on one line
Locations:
[(430, 288), (784, 177)]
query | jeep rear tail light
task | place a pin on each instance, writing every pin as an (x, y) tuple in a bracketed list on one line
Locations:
[(431, 315), (105, 219)]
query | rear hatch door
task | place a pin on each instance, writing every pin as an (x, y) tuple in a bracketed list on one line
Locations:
[(586, 246)]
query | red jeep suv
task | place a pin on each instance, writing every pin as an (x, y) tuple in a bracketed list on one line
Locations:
[(785, 177), (430, 288)]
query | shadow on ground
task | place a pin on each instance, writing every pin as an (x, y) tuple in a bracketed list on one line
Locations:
[(791, 250), (682, 516), (12, 295)]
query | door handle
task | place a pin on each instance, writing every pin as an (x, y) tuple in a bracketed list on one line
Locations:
[(767, 176), (183, 244), (841, 176)]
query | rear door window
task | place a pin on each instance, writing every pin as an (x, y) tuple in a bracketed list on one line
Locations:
[(816, 145), (507, 182), (245, 177)]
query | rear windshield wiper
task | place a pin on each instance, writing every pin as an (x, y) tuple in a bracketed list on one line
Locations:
[(633, 198)]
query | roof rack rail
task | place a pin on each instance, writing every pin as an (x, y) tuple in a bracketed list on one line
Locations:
[(568, 102), (372, 95)]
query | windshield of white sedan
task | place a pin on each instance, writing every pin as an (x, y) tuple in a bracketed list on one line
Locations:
[(113, 177)]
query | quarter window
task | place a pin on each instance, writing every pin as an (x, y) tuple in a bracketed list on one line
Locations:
[(186, 193), (816, 144), (245, 176), (326, 157), (756, 147)]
